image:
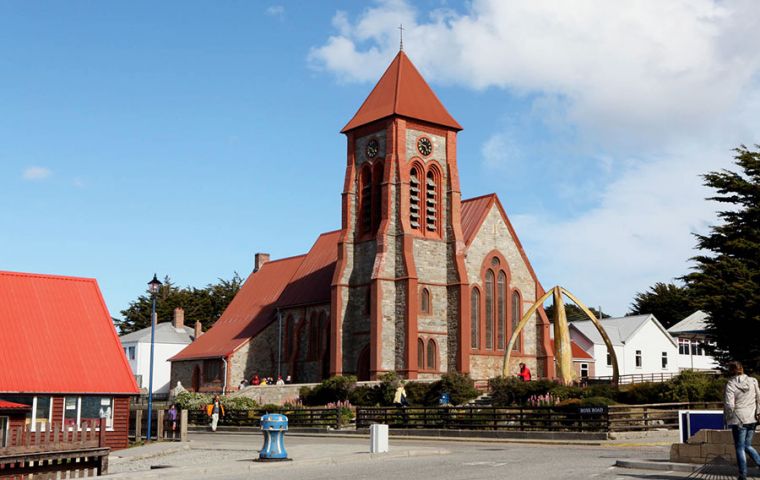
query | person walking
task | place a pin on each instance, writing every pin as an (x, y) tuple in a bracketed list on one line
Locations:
[(214, 409), (171, 416), (741, 406)]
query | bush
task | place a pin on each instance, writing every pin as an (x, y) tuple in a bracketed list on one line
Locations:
[(198, 401), (334, 389), (416, 392), (692, 386), (461, 389), (192, 400), (365, 396), (507, 391), (641, 393), (239, 403)]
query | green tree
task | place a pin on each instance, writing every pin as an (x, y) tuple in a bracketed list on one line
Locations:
[(725, 282), (573, 312), (668, 302), (204, 304)]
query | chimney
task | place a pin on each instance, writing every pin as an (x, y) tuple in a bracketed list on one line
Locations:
[(259, 260), (198, 329), (179, 318)]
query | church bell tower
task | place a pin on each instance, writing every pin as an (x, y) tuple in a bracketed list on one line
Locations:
[(399, 287)]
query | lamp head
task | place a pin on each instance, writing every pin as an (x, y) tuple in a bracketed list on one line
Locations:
[(154, 285)]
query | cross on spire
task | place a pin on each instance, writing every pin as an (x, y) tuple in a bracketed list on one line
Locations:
[(401, 36)]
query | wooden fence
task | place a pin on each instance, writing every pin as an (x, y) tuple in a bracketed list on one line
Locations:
[(623, 418), (546, 419), (160, 425), (300, 417), (552, 419), (58, 452)]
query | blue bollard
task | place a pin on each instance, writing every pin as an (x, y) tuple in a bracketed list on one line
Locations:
[(274, 426)]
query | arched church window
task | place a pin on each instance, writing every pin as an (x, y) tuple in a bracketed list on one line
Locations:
[(516, 316), (489, 309), (420, 354), (432, 354), (377, 180), (313, 336), (365, 200), (475, 318), (501, 309), (425, 301), (414, 198), (431, 201)]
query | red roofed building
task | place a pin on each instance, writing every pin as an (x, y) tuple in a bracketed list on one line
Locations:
[(60, 355), (416, 281)]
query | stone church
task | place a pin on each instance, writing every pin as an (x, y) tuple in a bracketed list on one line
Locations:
[(416, 281)]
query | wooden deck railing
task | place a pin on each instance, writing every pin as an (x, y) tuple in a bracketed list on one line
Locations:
[(59, 450)]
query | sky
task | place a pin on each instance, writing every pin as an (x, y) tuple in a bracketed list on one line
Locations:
[(183, 137)]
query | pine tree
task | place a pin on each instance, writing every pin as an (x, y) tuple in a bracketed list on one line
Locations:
[(204, 304), (668, 302), (726, 280)]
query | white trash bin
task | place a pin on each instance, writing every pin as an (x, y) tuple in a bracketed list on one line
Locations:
[(378, 438)]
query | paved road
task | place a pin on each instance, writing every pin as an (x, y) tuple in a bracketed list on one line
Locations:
[(214, 456)]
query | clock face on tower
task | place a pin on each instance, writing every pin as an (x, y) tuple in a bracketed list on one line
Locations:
[(372, 148), (424, 146)]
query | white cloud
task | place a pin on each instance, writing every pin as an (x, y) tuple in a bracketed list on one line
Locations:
[(276, 11), (36, 173), (625, 69), (650, 94)]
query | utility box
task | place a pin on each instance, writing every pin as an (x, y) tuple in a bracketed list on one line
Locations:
[(378, 438)]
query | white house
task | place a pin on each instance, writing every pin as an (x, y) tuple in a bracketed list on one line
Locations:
[(170, 338), (691, 336), (641, 343)]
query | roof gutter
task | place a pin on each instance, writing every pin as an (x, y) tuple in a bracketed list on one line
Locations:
[(224, 384)]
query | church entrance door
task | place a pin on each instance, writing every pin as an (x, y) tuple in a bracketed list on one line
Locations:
[(362, 365)]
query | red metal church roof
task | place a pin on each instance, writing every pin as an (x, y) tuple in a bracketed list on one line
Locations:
[(58, 337), (290, 282), (248, 313), (402, 91)]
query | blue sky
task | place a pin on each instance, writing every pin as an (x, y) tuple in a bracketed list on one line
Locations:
[(182, 137)]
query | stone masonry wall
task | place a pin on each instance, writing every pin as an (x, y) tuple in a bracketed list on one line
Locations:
[(705, 445), (494, 235)]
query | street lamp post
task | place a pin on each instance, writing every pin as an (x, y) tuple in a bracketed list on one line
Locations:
[(153, 287)]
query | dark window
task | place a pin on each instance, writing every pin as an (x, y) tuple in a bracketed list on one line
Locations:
[(516, 316), (475, 318), (609, 359), (420, 354), (365, 200), (638, 358), (584, 370), (377, 179), (432, 355), (414, 198), (489, 310), (431, 202), (212, 370), (4, 431), (425, 301), (664, 359), (501, 309)]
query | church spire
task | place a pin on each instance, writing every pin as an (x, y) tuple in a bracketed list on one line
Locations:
[(402, 91)]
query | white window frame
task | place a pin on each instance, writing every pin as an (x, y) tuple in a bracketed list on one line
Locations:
[(584, 366), (131, 352), (109, 420), (638, 359), (5, 430), (33, 427), (665, 360)]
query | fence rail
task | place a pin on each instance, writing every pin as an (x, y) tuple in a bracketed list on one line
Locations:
[(484, 418), (301, 417), (633, 378), (58, 450)]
